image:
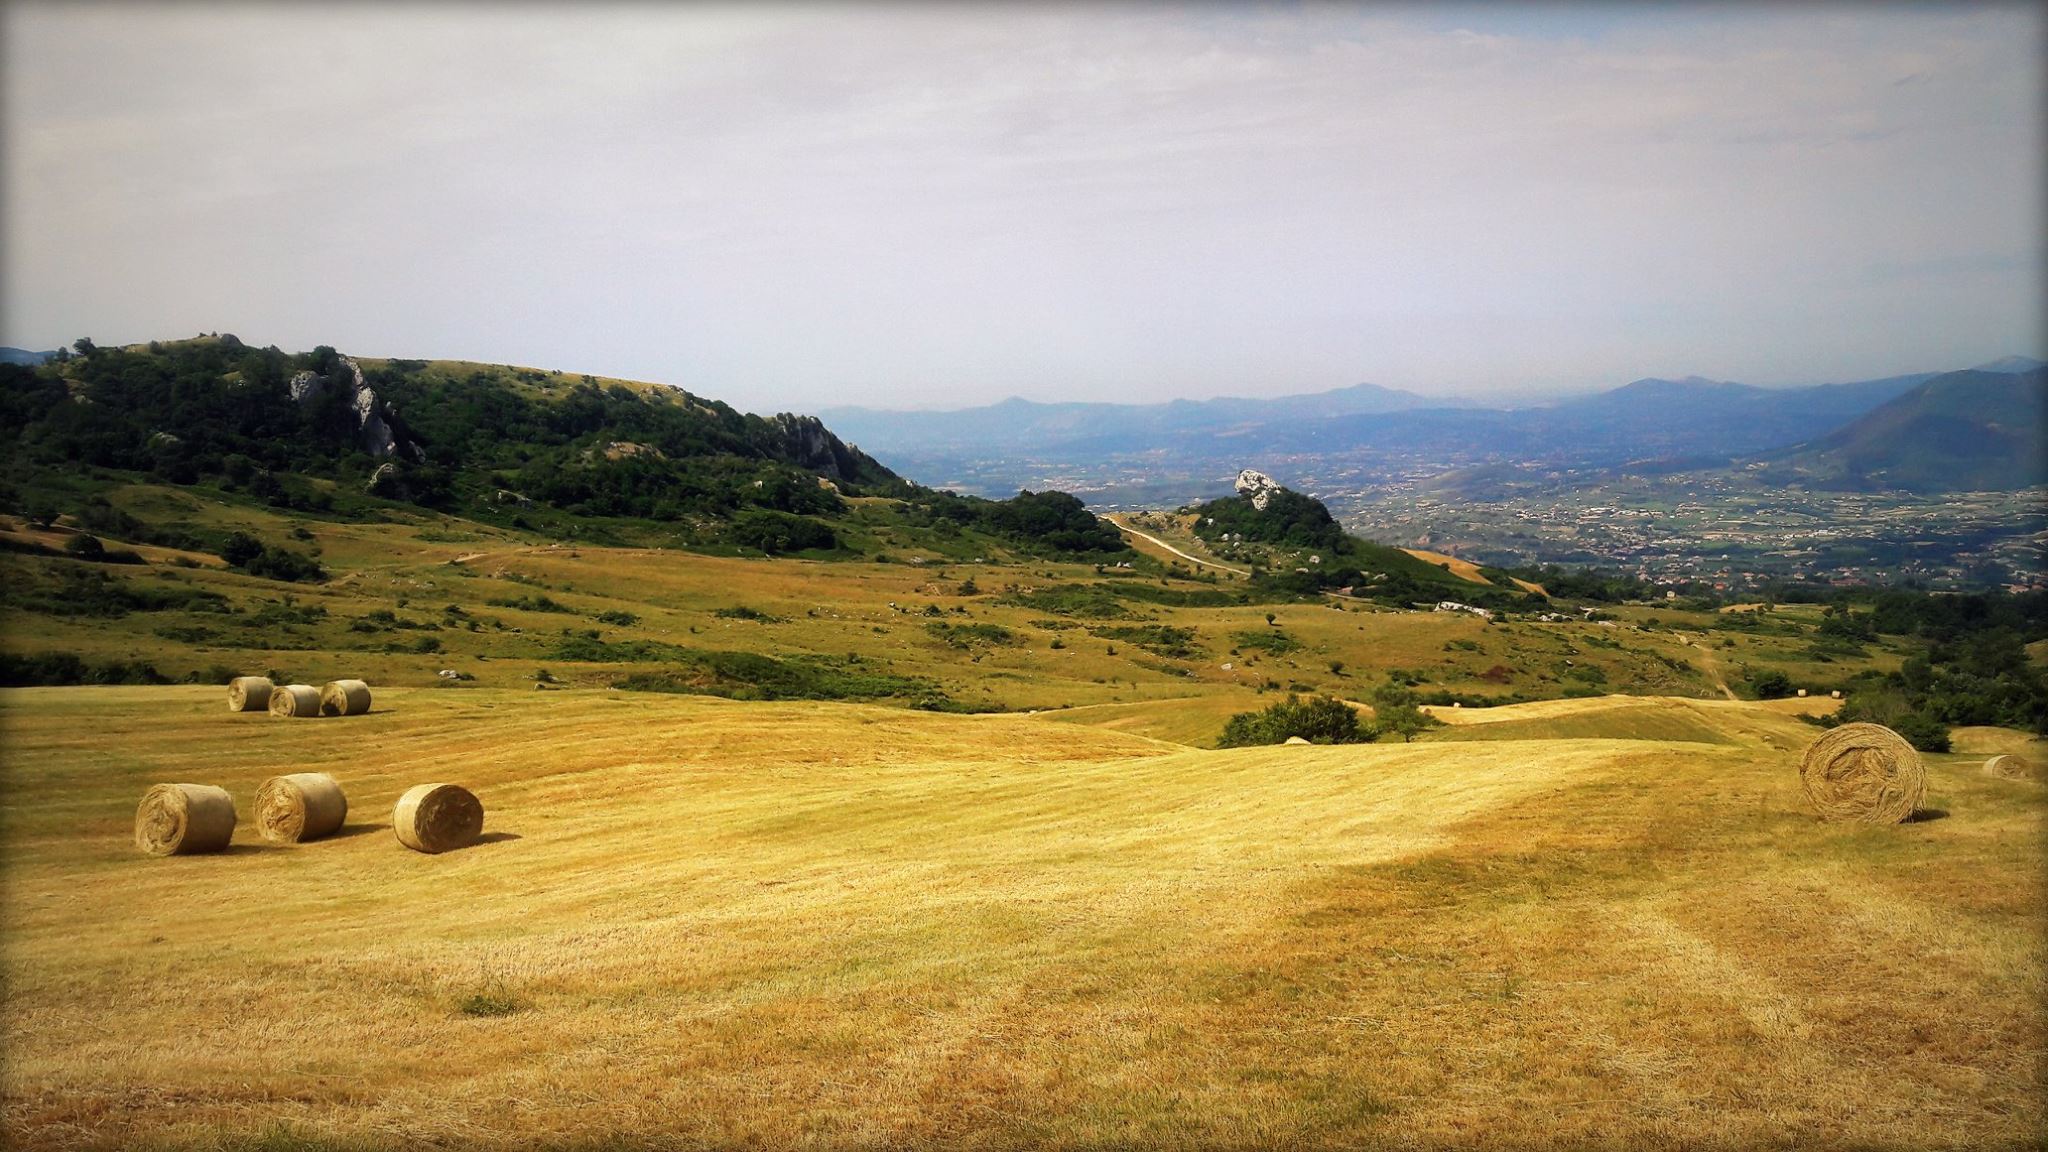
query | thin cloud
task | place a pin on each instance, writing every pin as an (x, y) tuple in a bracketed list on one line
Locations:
[(803, 206)]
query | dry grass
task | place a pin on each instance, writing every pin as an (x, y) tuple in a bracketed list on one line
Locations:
[(704, 923), (1463, 569)]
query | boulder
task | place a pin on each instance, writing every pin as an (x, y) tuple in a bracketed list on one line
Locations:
[(1258, 486), (372, 417)]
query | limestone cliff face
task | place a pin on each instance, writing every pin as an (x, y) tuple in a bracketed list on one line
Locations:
[(1257, 485), (373, 419), (807, 443)]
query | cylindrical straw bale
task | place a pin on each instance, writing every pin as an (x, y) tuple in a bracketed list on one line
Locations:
[(2008, 767), (344, 698), (1863, 772), (438, 817), (249, 693), (301, 806), (295, 700), (181, 819)]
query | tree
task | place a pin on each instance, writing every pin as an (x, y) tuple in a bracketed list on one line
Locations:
[(1318, 719), (1770, 684), (85, 546), (240, 548), (1395, 710)]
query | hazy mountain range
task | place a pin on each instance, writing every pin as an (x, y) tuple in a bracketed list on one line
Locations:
[(1002, 446)]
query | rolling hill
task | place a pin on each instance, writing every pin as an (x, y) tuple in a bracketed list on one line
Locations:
[(1975, 430), (577, 456)]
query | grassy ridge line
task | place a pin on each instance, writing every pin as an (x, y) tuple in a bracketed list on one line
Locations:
[(827, 611), (839, 926)]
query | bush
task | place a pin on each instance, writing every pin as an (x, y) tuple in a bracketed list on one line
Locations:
[(53, 668), (251, 555), (1770, 684), (1318, 719), (779, 532), (1922, 731)]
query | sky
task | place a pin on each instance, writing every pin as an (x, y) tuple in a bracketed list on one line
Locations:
[(794, 207)]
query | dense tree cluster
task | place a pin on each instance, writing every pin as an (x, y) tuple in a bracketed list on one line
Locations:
[(1052, 523), (215, 410), (1973, 670), (1289, 518)]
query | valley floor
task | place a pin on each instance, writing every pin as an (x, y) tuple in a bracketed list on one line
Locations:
[(702, 923)]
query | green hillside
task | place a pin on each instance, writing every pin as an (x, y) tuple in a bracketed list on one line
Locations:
[(1960, 432), (570, 456), (1295, 546)]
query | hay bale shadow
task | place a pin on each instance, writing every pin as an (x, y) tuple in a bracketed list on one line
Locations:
[(348, 830), (1926, 816)]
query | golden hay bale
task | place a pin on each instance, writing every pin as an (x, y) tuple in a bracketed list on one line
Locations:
[(344, 698), (249, 693), (1294, 740), (437, 818), (1863, 772), (301, 806), (2008, 767), (181, 819), (295, 700)]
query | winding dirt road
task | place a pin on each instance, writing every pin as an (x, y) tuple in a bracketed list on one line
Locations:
[(1157, 542)]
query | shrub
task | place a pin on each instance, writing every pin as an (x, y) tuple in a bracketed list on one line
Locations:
[(1273, 642), (1770, 684), (1318, 719), (54, 668)]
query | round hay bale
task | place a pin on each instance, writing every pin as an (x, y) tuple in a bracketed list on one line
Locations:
[(344, 698), (1835, 695), (295, 700), (182, 819), (438, 818), (1294, 740), (1802, 693), (301, 806), (249, 693), (1864, 772), (2008, 767)]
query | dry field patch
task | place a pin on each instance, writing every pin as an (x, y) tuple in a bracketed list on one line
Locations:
[(697, 922)]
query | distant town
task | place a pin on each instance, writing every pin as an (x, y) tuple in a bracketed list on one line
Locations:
[(1719, 528)]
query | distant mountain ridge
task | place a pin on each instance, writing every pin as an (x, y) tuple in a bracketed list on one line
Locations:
[(1130, 427), (1977, 430), (1367, 429)]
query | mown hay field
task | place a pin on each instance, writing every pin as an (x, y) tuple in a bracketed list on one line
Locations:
[(704, 923)]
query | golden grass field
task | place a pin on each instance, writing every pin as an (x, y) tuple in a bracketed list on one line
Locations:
[(704, 923)]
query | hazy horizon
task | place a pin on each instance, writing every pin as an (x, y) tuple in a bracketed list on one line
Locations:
[(898, 207)]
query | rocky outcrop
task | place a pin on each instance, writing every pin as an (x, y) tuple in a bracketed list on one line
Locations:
[(372, 419), (621, 449), (807, 443), (1257, 485)]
